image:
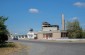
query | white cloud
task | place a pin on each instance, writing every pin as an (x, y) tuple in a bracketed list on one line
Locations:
[(33, 10), (79, 4), (74, 18)]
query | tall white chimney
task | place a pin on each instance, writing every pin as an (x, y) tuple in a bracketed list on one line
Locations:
[(63, 22)]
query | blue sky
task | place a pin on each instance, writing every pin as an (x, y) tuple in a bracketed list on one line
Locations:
[(26, 14)]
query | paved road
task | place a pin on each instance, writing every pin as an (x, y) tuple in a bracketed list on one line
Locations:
[(53, 48)]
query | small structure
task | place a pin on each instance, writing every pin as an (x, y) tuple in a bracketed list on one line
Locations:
[(31, 34), (17, 36), (48, 27)]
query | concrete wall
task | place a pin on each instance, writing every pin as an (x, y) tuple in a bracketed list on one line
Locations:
[(56, 35), (40, 36), (49, 29)]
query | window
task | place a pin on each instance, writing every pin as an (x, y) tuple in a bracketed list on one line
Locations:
[(22, 36), (47, 35), (25, 36)]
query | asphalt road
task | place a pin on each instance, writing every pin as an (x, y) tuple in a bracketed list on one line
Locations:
[(53, 48)]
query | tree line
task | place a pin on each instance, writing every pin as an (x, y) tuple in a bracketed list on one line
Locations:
[(74, 30), (3, 30)]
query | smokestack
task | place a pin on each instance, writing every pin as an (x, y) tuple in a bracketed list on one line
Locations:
[(63, 22)]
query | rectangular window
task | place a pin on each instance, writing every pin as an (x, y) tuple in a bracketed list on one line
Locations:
[(47, 35)]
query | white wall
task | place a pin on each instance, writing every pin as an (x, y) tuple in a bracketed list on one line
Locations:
[(49, 28), (31, 35)]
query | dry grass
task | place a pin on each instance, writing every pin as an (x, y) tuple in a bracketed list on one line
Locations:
[(8, 50)]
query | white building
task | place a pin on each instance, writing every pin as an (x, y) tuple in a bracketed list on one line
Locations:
[(18, 36), (31, 35)]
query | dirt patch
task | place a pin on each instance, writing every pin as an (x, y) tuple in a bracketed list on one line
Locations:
[(9, 50)]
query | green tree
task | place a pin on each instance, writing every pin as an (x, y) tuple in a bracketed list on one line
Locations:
[(83, 34), (3, 30), (74, 30)]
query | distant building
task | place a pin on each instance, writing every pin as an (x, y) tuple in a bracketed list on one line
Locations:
[(52, 31), (48, 31), (31, 34), (48, 27), (19, 36)]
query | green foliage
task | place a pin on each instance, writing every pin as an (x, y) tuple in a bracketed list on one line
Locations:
[(3, 30), (74, 30), (7, 44), (83, 34)]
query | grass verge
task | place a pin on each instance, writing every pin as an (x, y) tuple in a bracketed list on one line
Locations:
[(10, 47)]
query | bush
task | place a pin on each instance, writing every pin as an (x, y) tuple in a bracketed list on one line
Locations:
[(7, 44), (3, 38)]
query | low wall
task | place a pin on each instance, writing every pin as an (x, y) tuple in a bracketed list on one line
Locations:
[(71, 40)]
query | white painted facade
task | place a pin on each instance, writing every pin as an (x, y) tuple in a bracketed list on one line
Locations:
[(31, 35), (19, 36)]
